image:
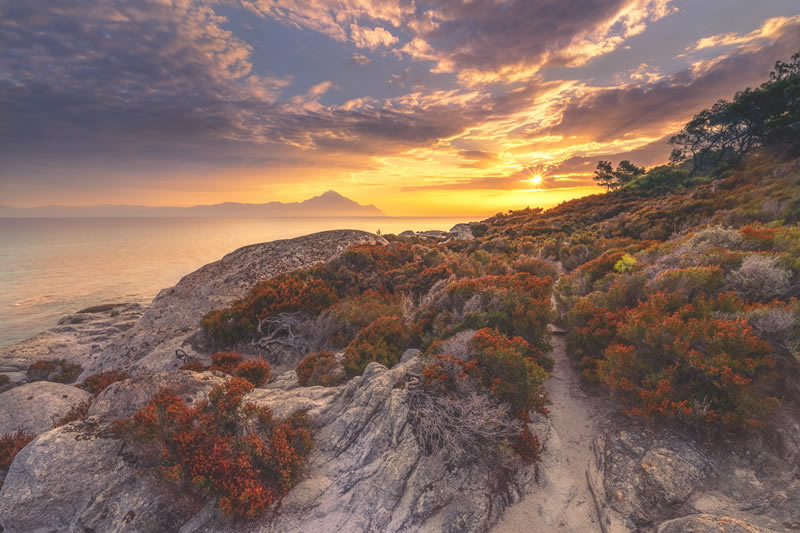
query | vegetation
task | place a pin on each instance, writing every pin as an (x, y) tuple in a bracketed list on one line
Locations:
[(56, 370), (320, 368), (10, 445), (766, 116), (222, 447), (97, 383)]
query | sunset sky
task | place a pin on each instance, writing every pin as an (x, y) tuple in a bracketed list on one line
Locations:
[(421, 108)]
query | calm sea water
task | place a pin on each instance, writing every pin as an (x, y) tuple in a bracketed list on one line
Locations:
[(53, 267)]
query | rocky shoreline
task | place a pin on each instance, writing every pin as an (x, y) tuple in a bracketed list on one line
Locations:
[(367, 471)]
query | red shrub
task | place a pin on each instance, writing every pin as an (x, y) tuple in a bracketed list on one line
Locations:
[(383, 341), (319, 369), (11, 444), (591, 330), (509, 368), (194, 366), (97, 383), (236, 452), (527, 446), (684, 363), (256, 371), (225, 361), (759, 236)]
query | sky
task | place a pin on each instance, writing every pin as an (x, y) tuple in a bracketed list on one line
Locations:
[(423, 108)]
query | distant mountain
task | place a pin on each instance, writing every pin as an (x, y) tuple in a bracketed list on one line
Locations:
[(328, 204)]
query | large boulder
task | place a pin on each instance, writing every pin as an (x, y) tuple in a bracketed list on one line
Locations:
[(641, 478), (76, 478), (36, 405), (175, 314)]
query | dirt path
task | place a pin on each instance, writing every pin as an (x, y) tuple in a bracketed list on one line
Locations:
[(561, 500)]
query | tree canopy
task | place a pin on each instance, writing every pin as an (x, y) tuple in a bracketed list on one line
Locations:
[(768, 115)]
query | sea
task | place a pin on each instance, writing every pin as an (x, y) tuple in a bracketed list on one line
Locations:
[(52, 267)]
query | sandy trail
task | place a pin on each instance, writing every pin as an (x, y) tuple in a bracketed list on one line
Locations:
[(561, 500)]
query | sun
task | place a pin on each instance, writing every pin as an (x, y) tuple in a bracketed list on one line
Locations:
[(536, 180)]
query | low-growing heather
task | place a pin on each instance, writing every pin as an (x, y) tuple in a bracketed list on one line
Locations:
[(383, 341), (256, 371), (226, 361), (56, 370), (320, 368), (97, 383), (10, 445), (222, 447)]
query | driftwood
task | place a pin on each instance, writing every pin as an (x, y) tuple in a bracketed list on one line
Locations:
[(282, 330)]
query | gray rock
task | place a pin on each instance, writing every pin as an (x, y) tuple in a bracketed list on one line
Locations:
[(75, 478), (35, 405), (705, 523), (176, 312), (462, 232), (409, 354), (645, 478), (408, 234), (123, 399), (78, 338), (434, 235)]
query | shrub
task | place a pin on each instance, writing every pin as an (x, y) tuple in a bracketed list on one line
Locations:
[(536, 267), (319, 368), (221, 447), (760, 278), (626, 263), (97, 383), (79, 411), (590, 329), (516, 304), (527, 446), (256, 371), (479, 229), (225, 361), (688, 282), (11, 444), (683, 363), (383, 341), (56, 370), (194, 366), (511, 370), (465, 425)]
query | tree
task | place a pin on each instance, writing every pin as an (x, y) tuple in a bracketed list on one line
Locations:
[(766, 116), (604, 175), (613, 179)]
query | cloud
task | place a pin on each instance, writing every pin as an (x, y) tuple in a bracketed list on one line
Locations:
[(360, 59), (652, 110), (487, 42), (371, 38), (772, 29)]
